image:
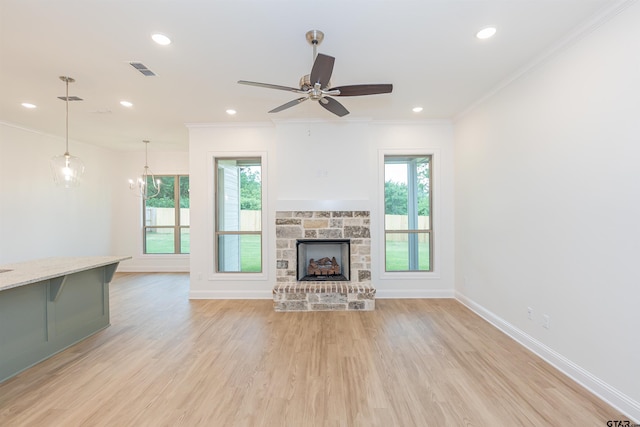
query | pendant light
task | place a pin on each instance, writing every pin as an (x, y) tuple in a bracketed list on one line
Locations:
[(146, 186), (67, 169)]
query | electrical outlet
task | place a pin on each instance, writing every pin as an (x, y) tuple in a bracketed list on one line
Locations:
[(529, 313), (546, 321)]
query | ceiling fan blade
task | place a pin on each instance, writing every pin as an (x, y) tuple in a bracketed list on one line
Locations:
[(357, 90), (334, 106), (270, 86), (322, 69), (289, 104)]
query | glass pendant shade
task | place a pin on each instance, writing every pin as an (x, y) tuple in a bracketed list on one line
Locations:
[(67, 170), (146, 185)]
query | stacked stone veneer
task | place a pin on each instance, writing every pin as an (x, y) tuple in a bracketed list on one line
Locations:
[(291, 295)]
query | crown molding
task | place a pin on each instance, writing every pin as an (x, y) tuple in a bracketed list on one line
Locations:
[(580, 32)]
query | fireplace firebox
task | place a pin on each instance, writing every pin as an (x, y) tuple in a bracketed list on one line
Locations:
[(323, 259)]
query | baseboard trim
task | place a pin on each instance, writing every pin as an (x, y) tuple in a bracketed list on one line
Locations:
[(414, 293), (595, 385), (233, 294)]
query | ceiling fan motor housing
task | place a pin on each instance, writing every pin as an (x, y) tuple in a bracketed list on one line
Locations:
[(305, 83)]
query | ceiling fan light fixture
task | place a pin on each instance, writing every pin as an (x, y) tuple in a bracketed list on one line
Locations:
[(126, 104), (486, 33), (417, 109), (28, 105), (231, 111)]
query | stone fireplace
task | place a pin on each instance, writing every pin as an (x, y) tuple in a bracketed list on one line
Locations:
[(324, 235)]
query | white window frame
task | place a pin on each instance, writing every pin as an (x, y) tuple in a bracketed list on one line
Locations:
[(434, 213), (211, 217)]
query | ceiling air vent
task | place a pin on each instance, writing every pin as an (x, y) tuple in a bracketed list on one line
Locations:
[(71, 98), (142, 68)]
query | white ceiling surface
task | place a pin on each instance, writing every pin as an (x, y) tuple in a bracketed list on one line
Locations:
[(426, 48)]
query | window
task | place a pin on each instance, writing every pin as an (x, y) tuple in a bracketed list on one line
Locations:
[(166, 217), (238, 235), (407, 221)]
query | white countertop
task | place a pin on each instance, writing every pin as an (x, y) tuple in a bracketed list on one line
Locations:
[(24, 273)]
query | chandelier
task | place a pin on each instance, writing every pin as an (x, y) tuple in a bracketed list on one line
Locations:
[(145, 186), (67, 169)]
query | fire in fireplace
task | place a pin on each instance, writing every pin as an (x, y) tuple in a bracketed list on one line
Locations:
[(323, 259)]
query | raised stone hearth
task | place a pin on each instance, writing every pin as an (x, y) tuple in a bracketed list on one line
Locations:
[(289, 294)]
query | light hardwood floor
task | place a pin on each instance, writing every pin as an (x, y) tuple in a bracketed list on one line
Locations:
[(168, 361)]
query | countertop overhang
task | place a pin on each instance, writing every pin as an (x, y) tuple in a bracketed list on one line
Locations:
[(25, 273)]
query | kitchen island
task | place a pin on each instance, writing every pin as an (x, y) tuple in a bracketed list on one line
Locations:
[(50, 304)]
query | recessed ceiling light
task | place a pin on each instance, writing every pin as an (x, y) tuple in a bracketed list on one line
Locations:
[(28, 105), (126, 104), (486, 33), (231, 111), (161, 39), (417, 109)]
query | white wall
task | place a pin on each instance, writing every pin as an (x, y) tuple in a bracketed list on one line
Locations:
[(38, 219), (100, 217), (128, 208), (435, 138), (205, 142), (320, 165), (547, 209)]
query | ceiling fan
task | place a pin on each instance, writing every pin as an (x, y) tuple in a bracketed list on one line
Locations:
[(317, 86)]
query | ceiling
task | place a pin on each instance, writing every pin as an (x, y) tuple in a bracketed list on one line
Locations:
[(426, 48)]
